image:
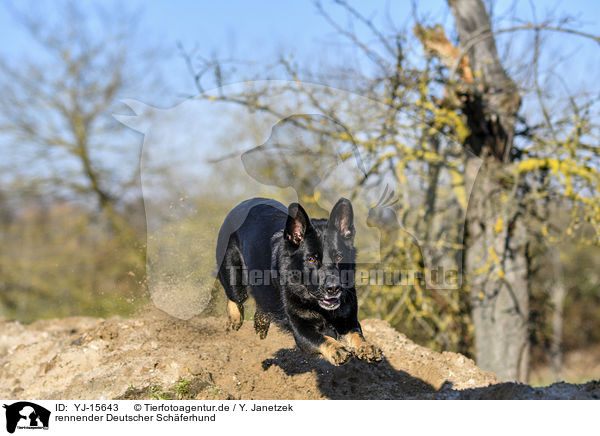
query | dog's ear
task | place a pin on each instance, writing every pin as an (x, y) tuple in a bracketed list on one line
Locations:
[(296, 225), (341, 219)]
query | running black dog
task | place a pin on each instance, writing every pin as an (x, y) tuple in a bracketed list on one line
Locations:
[(300, 271)]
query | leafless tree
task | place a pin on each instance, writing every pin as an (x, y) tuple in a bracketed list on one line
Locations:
[(56, 108), (480, 110)]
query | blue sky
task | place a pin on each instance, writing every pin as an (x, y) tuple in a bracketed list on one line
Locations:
[(262, 30), (259, 30)]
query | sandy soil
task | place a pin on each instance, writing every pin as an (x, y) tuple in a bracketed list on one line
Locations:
[(157, 356)]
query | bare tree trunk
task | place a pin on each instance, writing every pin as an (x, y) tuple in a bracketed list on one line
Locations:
[(496, 273), (557, 299), (492, 105), (495, 252)]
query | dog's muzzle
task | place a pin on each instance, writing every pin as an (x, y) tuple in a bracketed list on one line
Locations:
[(331, 299)]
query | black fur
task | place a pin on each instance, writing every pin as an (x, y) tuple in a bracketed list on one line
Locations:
[(300, 271)]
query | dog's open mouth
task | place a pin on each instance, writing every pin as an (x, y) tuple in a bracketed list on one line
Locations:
[(329, 303)]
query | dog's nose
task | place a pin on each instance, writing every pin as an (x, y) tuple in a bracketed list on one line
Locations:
[(334, 290)]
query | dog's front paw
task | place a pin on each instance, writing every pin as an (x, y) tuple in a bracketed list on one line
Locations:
[(335, 352), (340, 356), (368, 352), (361, 348)]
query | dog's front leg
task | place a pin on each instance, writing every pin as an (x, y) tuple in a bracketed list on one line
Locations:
[(361, 348), (334, 351), (311, 341), (350, 332)]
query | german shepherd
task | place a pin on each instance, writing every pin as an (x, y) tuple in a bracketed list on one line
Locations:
[(300, 272)]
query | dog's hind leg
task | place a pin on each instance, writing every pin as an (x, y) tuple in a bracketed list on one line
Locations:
[(235, 313), (261, 323), (233, 277)]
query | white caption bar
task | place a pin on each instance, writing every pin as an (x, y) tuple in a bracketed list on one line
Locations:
[(150, 417)]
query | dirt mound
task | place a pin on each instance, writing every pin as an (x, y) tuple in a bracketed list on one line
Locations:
[(157, 356)]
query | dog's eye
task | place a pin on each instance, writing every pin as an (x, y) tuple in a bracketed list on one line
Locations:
[(339, 257), (312, 259)]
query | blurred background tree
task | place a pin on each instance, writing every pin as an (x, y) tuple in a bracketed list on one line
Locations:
[(76, 223)]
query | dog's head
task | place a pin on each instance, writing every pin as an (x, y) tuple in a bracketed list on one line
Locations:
[(322, 252)]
